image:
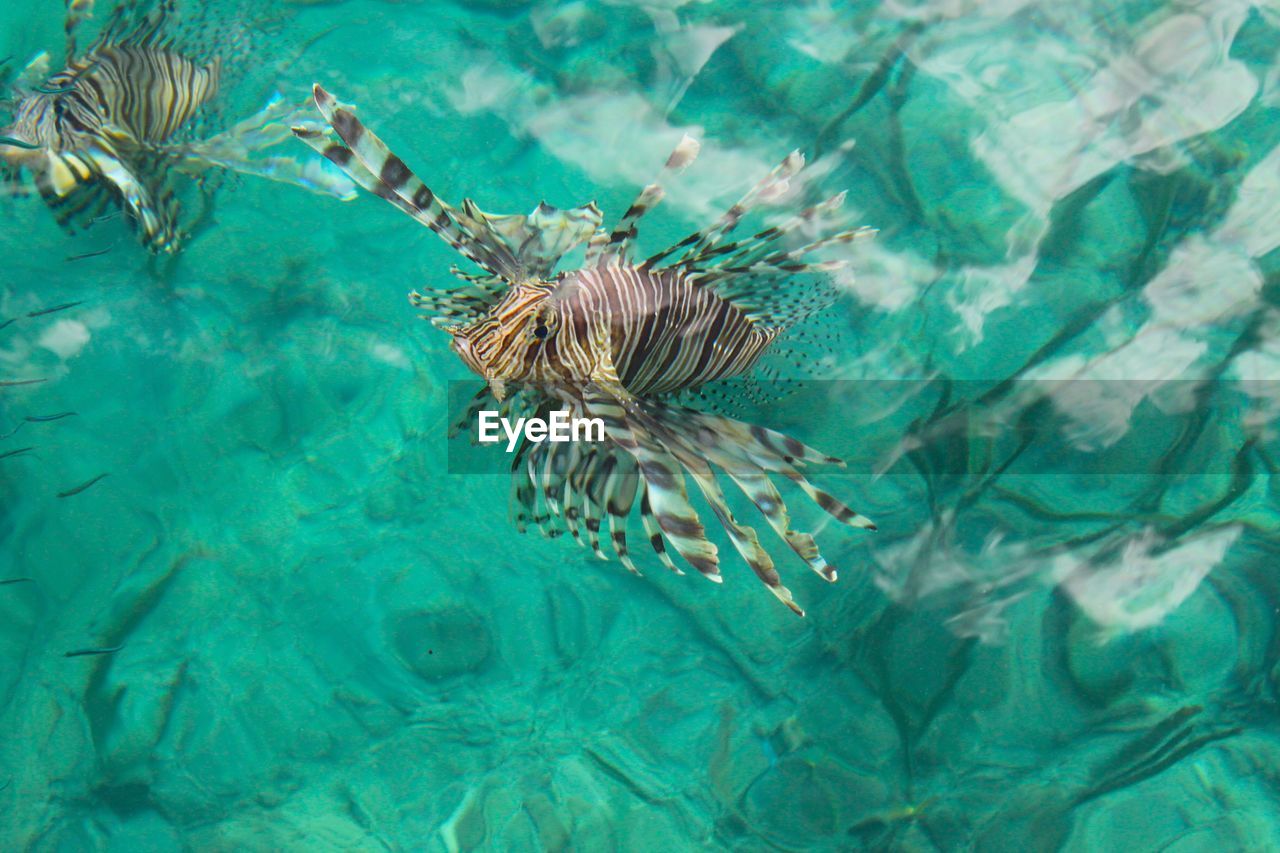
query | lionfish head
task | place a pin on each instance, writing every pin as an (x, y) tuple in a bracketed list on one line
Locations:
[(502, 345)]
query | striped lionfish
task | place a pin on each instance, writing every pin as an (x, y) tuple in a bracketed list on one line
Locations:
[(117, 122), (619, 341)]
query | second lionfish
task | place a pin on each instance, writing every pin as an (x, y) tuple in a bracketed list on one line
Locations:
[(622, 341), (119, 123)]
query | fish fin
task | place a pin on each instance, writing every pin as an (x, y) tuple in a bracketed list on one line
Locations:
[(66, 188), (450, 307), (699, 242), (157, 210), (79, 208), (670, 427), (540, 475), (769, 282), (621, 484), (663, 477), (578, 483), (653, 531), (393, 181), (66, 172), (755, 484), (704, 443), (536, 241), (482, 399), (772, 286), (233, 149), (515, 246), (611, 247), (590, 475)]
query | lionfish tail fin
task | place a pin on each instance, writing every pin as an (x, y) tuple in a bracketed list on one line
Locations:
[(514, 247)]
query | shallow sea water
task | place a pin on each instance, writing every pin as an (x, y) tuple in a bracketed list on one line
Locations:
[(1056, 384)]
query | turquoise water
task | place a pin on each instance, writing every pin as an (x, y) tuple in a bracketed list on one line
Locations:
[(1054, 375)]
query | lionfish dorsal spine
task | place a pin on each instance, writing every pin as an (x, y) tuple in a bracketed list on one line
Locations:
[(611, 247)]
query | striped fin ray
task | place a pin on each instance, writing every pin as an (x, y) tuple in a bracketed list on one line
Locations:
[(524, 494), (569, 499), (450, 307), (747, 454), (425, 208), (621, 485), (752, 452), (589, 480), (67, 186), (82, 206), (755, 484), (515, 247), (551, 478), (744, 538), (528, 476), (612, 247), (744, 252), (552, 484), (485, 280), (774, 452), (755, 277), (546, 470), (483, 399), (664, 483), (396, 184), (699, 242), (653, 531)]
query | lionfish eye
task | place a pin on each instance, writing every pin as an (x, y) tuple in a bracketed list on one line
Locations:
[(540, 331)]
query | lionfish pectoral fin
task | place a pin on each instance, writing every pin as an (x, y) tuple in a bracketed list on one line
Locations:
[(155, 214), (574, 483), (665, 500), (679, 436), (63, 177), (234, 148), (370, 163), (748, 455), (482, 399)]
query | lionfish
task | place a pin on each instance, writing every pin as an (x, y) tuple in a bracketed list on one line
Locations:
[(118, 121), (622, 342)]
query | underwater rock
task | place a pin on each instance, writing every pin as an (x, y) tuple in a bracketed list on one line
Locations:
[(442, 642), (806, 797)]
